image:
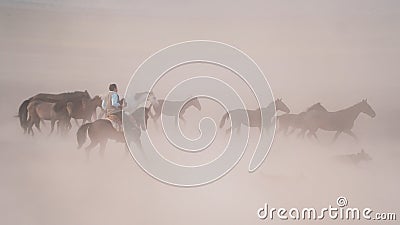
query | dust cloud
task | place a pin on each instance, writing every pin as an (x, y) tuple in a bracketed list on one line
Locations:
[(333, 52)]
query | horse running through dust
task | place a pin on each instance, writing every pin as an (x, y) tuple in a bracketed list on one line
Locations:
[(296, 121), (175, 108), (252, 118), (341, 121), (102, 130)]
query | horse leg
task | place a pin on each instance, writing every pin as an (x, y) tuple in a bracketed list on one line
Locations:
[(30, 127), (68, 125), (143, 125), (315, 135), (228, 130), (236, 125), (183, 119), (312, 134), (151, 114), (259, 128), (90, 147), (43, 122), (237, 128), (156, 116), (52, 126), (176, 120), (336, 135), (282, 129), (291, 132), (103, 145), (302, 133), (37, 124), (349, 132), (139, 144), (58, 127), (76, 122)]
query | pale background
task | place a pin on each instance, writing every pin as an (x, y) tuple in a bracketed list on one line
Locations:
[(335, 52)]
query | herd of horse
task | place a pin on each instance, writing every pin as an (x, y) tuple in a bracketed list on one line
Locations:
[(59, 109)]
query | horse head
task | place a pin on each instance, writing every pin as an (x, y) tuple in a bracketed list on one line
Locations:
[(280, 106), (96, 100), (366, 108), (152, 99)]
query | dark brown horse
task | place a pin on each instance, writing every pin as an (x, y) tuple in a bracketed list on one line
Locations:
[(141, 116), (53, 98), (101, 130), (84, 109)]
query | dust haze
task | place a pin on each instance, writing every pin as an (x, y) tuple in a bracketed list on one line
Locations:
[(333, 52)]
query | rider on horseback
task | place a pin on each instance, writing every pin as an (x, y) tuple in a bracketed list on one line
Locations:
[(113, 105)]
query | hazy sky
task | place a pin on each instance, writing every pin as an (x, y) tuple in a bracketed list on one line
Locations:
[(354, 43)]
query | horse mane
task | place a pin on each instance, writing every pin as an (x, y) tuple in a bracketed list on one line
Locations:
[(316, 106), (62, 96), (269, 106)]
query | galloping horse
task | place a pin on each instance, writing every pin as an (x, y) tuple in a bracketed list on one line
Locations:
[(339, 121), (252, 118), (171, 108), (141, 116), (296, 121), (101, 130)]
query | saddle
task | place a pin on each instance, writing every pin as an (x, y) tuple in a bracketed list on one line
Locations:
[(115, 121)]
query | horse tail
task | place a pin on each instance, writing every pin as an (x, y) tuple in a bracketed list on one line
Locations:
[(81, 134), (225, 117), (23, 113)]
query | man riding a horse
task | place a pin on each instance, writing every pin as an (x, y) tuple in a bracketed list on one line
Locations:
[(113, 105)]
